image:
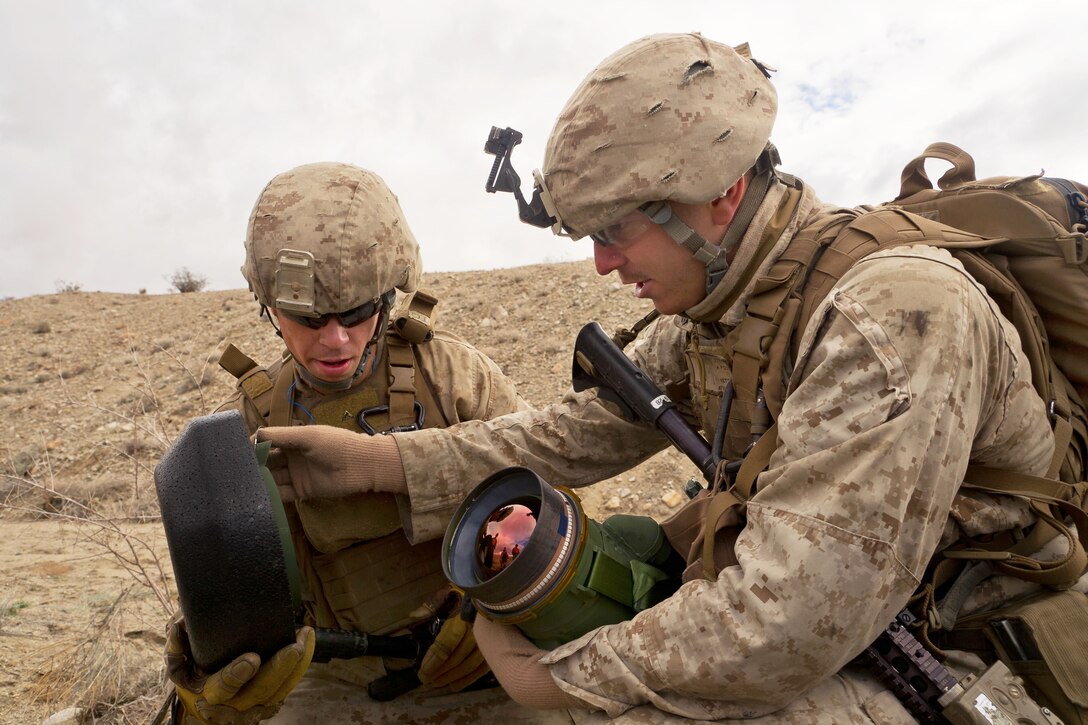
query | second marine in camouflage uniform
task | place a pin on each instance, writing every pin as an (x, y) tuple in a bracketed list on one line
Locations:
[(326, 251)]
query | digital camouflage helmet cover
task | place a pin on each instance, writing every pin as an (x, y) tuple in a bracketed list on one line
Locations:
[(326, 238), (666, 118)]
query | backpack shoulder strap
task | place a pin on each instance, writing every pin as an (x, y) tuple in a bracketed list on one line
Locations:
[(763, 335), (1051, 500), (413, 326)]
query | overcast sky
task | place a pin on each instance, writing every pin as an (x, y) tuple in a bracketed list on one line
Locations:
[(135, 135)]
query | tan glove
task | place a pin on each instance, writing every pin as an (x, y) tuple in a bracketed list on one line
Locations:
[(516, 663), (320, 461), (453, 660), (242, 693)]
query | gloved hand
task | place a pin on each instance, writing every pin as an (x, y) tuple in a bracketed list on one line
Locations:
[(453, 659), (516, 663), (320, 461), (242, 693)]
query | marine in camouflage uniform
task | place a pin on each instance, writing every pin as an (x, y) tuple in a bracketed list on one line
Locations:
[(327, 249), (906, 373)]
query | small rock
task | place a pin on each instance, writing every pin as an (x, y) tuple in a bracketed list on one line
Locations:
[(632, 479), (486, 322), (498, 312), (613, 503), (70, 716), (623, 492), (673, 499), (23, 462)]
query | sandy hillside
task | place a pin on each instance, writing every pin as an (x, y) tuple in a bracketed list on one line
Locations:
[(94, 388)]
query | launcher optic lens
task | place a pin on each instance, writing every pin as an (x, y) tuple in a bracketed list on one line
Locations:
[(504, 535)]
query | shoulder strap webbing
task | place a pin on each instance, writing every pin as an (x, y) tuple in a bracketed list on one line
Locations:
[(414, 326), (236, 362), (736, 496), (1050, 499), (278, 412), (253, 380), (764, 333), (401, 366)]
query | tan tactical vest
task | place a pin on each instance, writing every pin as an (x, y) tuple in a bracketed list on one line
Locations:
[(359, 571)]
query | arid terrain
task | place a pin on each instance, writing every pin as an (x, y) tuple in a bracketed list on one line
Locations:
[(94, 388)]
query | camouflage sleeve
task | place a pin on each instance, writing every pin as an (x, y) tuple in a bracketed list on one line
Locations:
[(468, 385), (892, 394), (576, 442)]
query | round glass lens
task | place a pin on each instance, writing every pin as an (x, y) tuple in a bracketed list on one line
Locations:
[(503, 537)]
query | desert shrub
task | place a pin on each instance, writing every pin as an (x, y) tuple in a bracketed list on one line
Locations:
[(64, 287), (185, 280), (40, 328)]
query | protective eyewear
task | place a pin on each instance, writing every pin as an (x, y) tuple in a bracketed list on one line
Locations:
[(351, 318), (626, 230)]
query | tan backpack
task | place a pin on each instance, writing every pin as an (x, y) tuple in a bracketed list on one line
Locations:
[(1024, 239), (1038, 226)]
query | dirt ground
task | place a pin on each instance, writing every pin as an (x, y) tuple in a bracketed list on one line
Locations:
[(95, 387)]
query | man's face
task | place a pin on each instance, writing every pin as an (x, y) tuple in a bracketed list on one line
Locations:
[(659, 268), (331, 353)]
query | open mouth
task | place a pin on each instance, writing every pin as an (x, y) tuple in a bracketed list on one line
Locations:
[(334, 366)]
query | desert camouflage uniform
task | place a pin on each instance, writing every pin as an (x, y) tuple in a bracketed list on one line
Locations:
[(906, 373), (349, 546)]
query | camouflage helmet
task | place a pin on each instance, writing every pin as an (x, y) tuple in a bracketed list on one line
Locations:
[(326, 238), (667, 117)]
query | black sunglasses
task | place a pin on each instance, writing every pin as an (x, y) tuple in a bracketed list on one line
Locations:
[(351, 318)]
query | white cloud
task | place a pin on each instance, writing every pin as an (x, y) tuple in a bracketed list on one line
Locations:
[(134, 137)]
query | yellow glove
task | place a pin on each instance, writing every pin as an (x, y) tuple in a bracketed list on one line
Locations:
[(453, 660), (242, 693)]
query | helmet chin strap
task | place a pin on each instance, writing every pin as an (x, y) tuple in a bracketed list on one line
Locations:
[(762, 178), (714, 256)]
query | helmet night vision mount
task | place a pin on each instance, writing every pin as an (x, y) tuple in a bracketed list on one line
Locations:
[(540, 212)]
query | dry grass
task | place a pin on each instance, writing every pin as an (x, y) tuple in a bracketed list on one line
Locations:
[(110, 669), (106, 673)]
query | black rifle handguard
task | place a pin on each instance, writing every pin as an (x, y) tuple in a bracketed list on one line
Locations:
[(599, 362)]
